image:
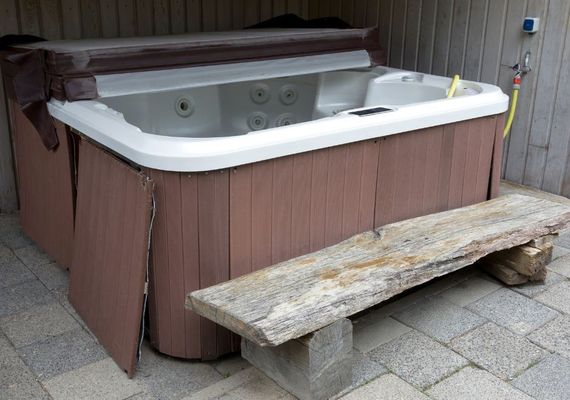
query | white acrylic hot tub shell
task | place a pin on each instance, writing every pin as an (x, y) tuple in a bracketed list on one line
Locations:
[(109, 128)]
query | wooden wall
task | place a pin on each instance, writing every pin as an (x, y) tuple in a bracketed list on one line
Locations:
[(479, 39)]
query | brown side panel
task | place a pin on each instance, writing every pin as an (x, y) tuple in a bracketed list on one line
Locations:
[(114, 206), (497, 157), (45, 188)]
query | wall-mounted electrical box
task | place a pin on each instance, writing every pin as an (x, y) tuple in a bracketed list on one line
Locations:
[(530, 25)]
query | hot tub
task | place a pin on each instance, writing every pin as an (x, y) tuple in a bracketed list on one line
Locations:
[(260, 145), (251, 173)]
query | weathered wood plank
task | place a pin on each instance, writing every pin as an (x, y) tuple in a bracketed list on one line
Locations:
[(503, 273), (526, 260), (301, 295)]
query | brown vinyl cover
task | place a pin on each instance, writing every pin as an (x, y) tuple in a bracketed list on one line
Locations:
[(66, 69), (110, 256)]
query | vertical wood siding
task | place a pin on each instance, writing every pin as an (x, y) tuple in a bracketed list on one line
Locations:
[(480, 40)]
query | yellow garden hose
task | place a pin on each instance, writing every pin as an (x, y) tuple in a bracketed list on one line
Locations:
[(515, 97), (511, 117), (453, 86)]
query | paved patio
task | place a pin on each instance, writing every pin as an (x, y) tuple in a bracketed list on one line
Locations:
[(464, 336)]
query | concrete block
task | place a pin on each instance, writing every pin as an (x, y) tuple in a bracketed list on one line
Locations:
[(418, 359), (513, 311), (316, 366), (475, 384), (37, 323), (497, 350), (370, 332), (440, 319), (470, 290), (548, 380), (388, 386), (100, 380), (554, 336), (557, 297), (59, 354)]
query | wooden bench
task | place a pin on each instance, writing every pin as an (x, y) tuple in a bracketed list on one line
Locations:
[(292, 316)]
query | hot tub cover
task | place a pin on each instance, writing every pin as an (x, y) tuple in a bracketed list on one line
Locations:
[(66, 69)]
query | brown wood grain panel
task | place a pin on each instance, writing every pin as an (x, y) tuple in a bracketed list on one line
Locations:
[(445, 167), (173, 214), (335, 189), (368, 185), (432, 169), (213, 217), (403, 175), (107, 287), (459, 155), (386, 181), (160, 265), (318, 198), (469, 193), (281, 215), (352, 189), (240, 220), (485, 157), (497, 157), (45, 188), (189, 195), (419, 168), (261, 210), (301, 204)]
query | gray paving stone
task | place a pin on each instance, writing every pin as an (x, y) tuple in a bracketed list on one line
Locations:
[(387, 387), (16, 380), (439, 318), (554, 336), (14, 272), (470, 290), (561, 265), (548, 380), (59, 354), (369, 333), (418, 359), (559, 251), (532, 289), (60, 294), (37, 323), (169, 378), (497, 350), (249, 384), (18, 298), (557, 297), (14, 238), (51, 275), (99, 380), (32, 256), (365, 370), (474, 384), (513, 311), (230, 365), (563, 240)]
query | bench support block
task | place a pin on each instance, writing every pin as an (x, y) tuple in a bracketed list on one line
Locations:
[(313, 367)]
